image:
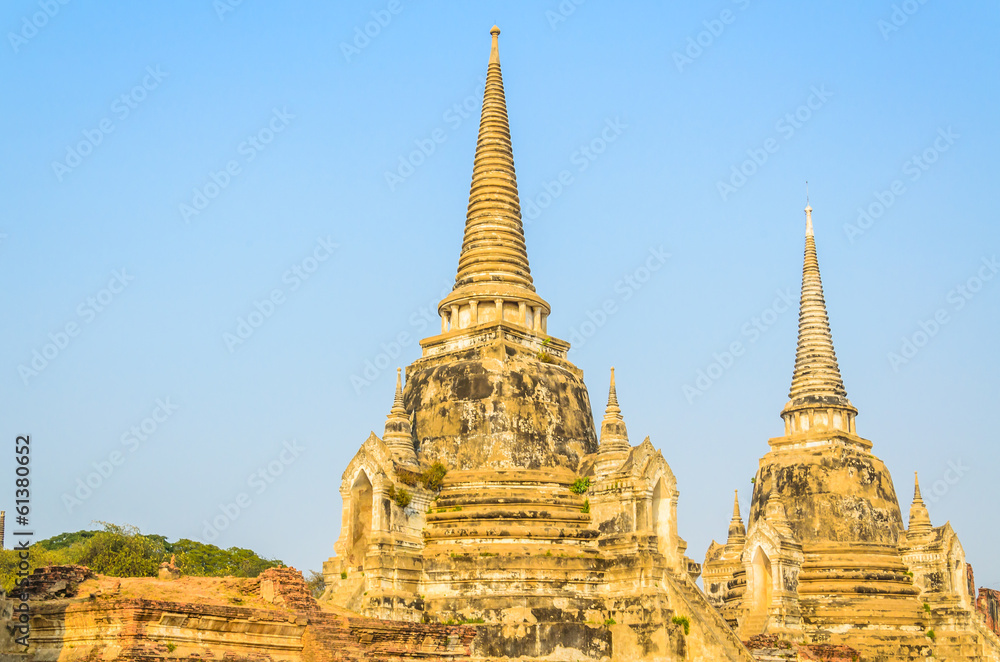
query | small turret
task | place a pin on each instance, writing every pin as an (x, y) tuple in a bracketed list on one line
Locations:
[(398, 433), (613, 445), (920, 519)]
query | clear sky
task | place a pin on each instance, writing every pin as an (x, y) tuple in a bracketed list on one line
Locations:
[(167, 169)]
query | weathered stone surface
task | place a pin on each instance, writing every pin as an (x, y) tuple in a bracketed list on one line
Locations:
[(497, 406), (554, 545), (988, 605), (101, 624), (826, 559)]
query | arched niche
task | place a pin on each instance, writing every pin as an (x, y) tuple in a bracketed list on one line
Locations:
[(361, 520), (661, 514), (763, 583)]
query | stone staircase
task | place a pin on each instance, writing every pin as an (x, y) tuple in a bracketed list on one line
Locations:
[(697, 606), (509, 512)]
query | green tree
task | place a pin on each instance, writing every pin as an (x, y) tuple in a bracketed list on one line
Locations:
[(122, 551), (316, 583)]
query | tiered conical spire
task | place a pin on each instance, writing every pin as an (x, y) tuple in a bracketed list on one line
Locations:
[(614, 435), (816, 380), (398, 432), (493, 265), (920, 519), (494, 247), (737, 531)]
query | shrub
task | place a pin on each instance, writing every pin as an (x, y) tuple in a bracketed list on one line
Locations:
[(586, 506), (400, 497), (930, 635), (121, 551), (343, 574), (543, 355), (407, 477), (403, 498), (316, 583), (609, 621), (580, 486), (433, 477)]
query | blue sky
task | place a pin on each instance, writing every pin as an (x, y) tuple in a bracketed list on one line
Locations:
[(167, 170)]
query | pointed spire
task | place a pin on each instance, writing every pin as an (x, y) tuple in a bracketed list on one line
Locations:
[(613, 410), (397, 401), (816, 380), (920, 519), (494, 247), (614, 435), (737, 532), (495, 50), (493, 265), (398, 432)]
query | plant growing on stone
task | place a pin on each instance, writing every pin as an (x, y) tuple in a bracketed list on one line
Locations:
[(580, 485), (543, 355), (930, 635), (400, 497), (684, 622), (586, 506), (343, 574), (433, 476)]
